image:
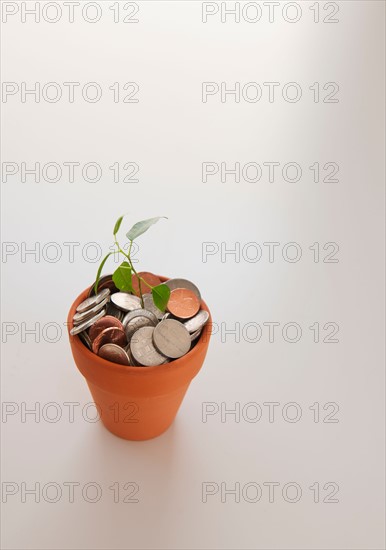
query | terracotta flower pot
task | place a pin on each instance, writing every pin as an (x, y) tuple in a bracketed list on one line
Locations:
[(137, 402)]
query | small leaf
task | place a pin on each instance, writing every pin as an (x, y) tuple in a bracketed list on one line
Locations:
[(122, 277), (161, 295), (99, 272), (141, 227), (117, 225)]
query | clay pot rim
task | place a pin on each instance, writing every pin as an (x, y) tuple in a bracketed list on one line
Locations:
[(179, 363)]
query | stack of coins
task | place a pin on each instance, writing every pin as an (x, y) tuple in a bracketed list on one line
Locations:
[(115, 326)]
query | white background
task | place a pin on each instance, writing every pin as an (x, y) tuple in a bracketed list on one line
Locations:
[(169, 133)]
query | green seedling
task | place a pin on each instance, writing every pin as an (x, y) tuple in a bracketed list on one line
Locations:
[(122, 276)]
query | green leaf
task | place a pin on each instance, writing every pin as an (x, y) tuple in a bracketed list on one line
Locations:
[(100, 271), (161, 295), (117, 225), (141, 227), (122, 277)]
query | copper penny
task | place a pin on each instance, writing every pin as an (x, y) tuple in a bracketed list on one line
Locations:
[(111, 335), (183, 303), (114, 353), (106, 322), (150, 278), (104, 282)]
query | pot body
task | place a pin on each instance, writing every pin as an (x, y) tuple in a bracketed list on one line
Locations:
[(137, 403)]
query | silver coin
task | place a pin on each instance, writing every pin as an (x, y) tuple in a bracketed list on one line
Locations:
[(130, 355), (197, 322), (150, 306), (143, 350), (85, 339), (183, 283), (114, 353), (92, 301), (166, 316), (125, 301), (83, 326), (195, 335), (85, 315), (171, 338), (134, 324), (139, 313), (114, 311)]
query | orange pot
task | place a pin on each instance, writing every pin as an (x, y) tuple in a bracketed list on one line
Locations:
[(137, 402)]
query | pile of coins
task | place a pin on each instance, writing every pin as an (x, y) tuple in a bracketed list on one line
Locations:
[(115, 326)]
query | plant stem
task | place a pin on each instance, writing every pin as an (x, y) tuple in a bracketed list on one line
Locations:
[(132, 267), (138, 278)]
